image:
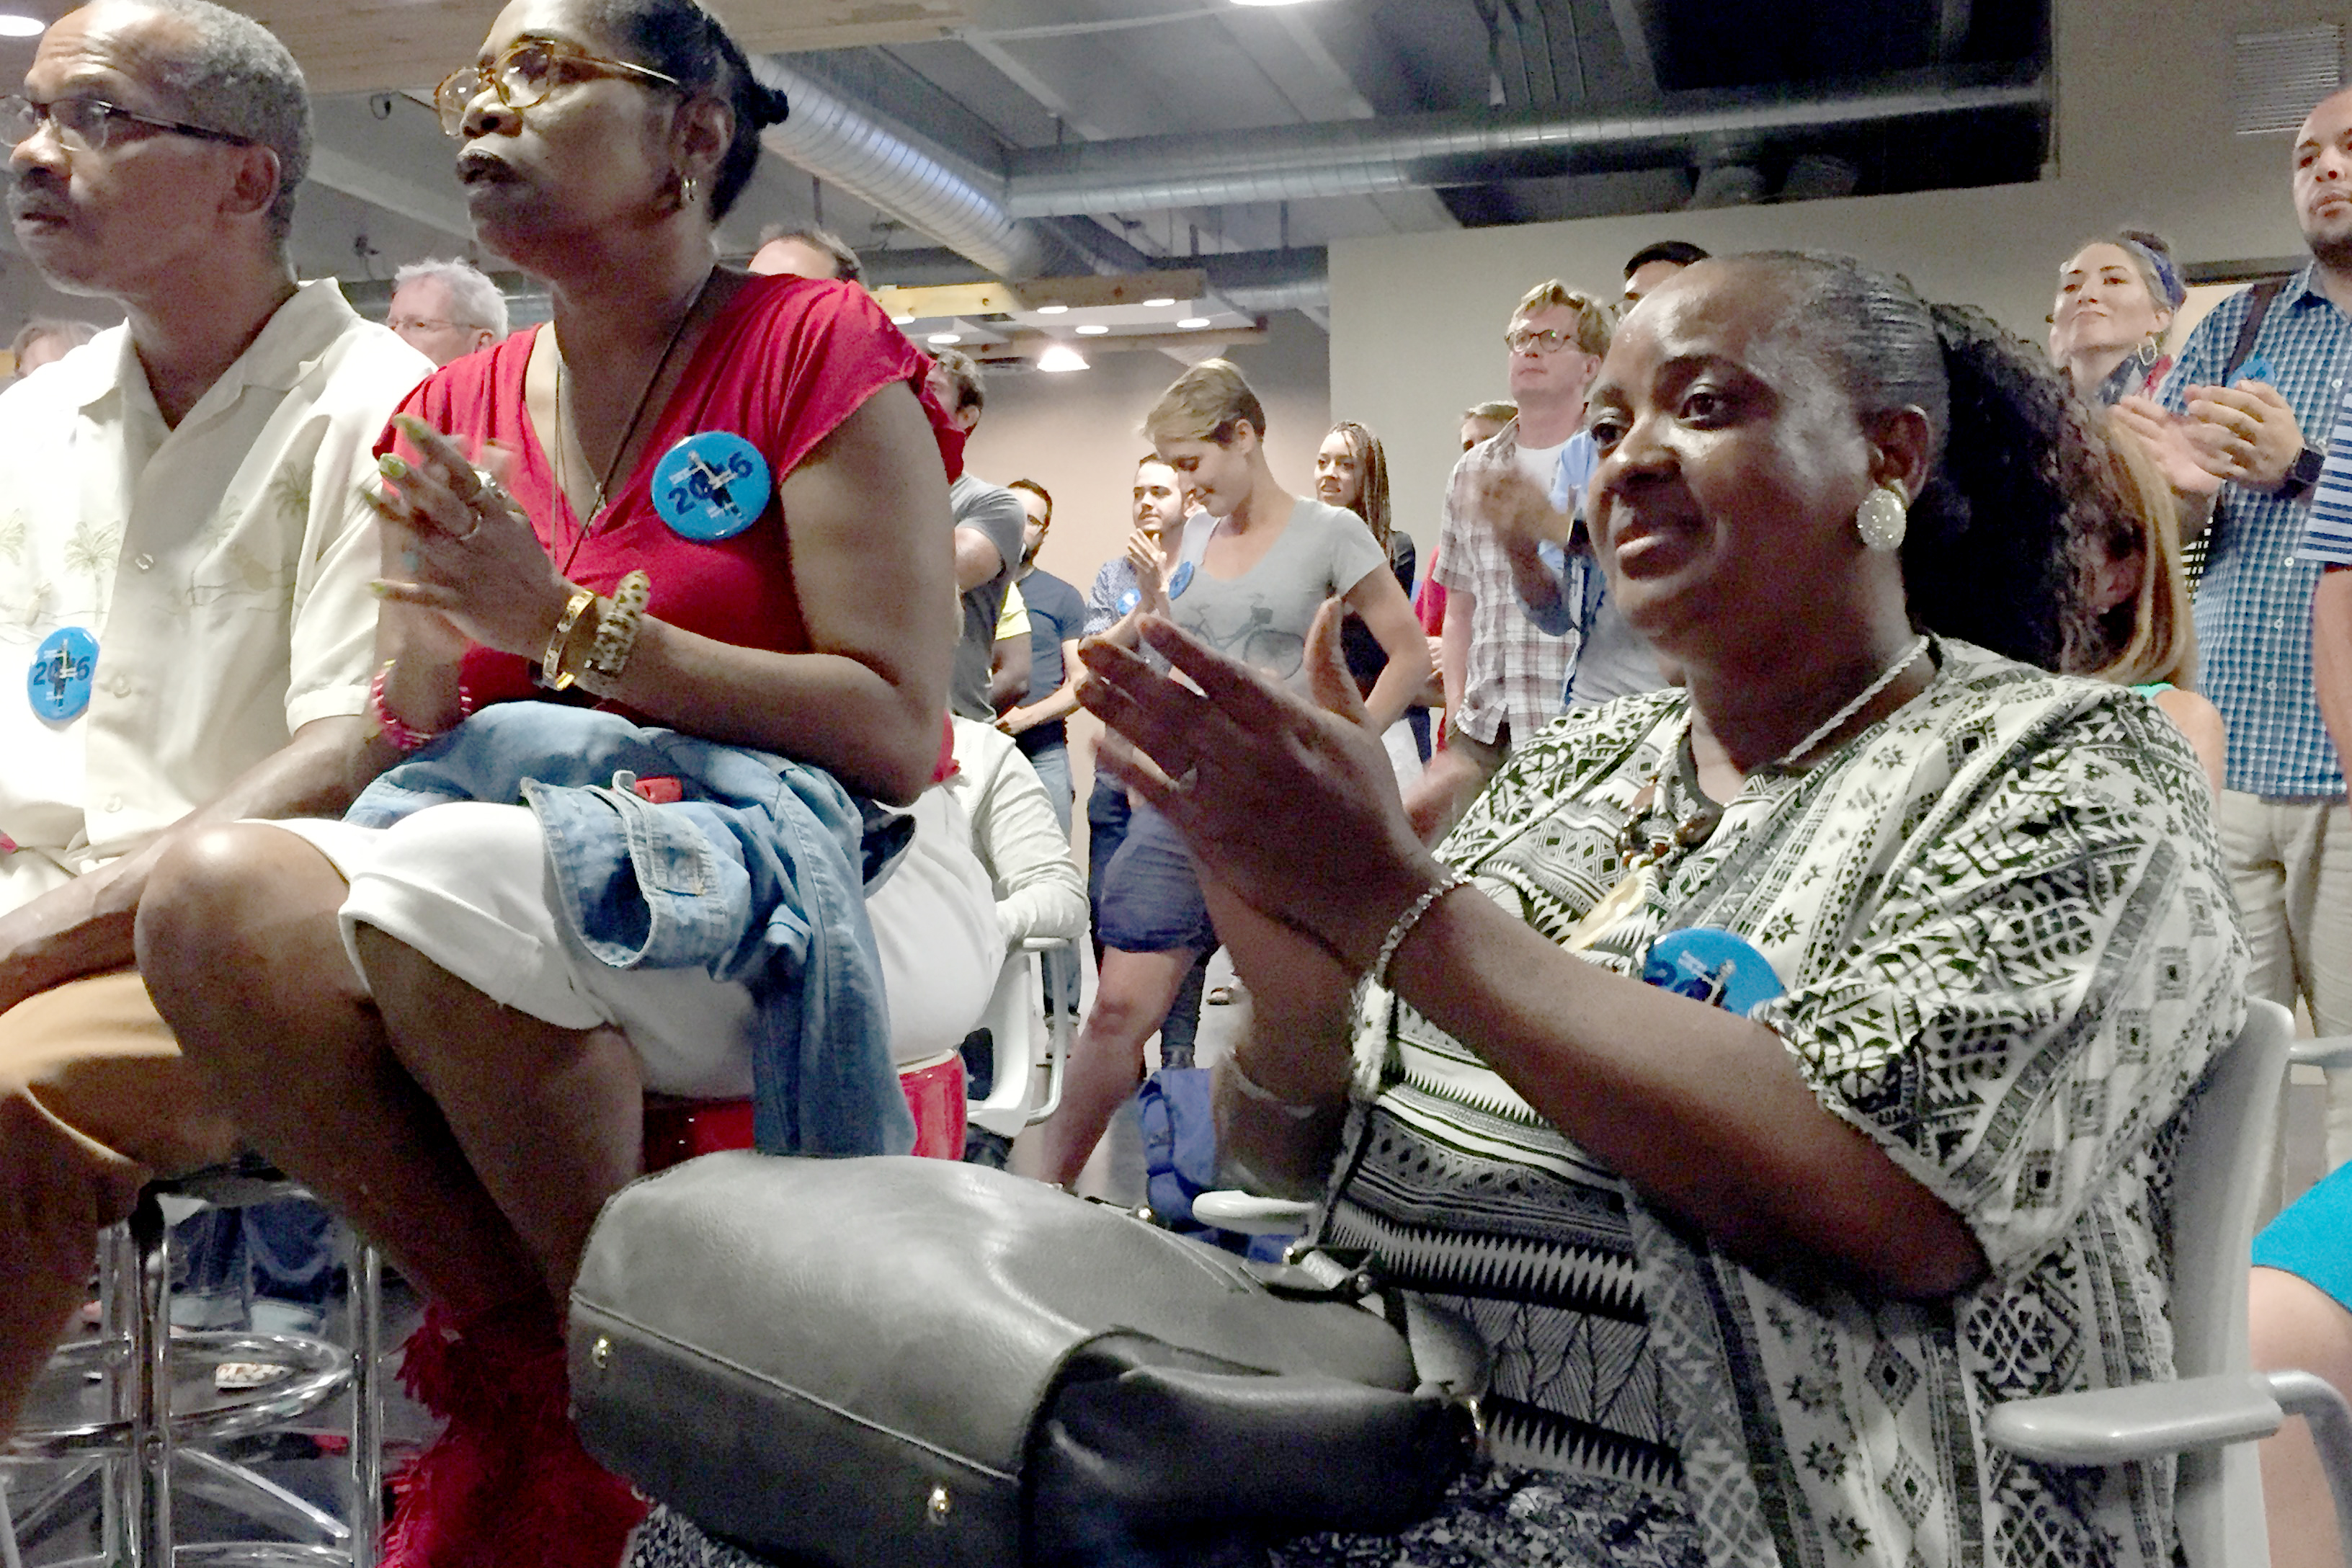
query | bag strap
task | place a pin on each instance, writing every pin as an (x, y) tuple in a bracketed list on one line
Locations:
[(2259, 300)]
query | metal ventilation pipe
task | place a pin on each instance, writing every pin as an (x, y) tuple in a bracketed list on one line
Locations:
[(1360, 157), (844, 145)]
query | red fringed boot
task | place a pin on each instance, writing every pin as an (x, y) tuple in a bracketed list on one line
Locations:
[(505, 1484)]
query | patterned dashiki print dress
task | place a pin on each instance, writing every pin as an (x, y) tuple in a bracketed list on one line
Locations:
[(2009, 953)]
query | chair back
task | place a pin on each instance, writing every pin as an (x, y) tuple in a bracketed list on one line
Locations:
[(2225, 1150), (1014, 1022)]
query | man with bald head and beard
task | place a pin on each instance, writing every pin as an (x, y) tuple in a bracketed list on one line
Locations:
[(187, 595)]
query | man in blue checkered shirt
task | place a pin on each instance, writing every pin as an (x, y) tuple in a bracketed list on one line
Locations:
[(2284, 825)]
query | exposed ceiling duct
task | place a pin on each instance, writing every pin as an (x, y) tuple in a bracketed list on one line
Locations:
[(846, 145), (1365, 157)]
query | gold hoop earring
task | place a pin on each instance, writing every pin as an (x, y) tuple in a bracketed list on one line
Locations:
[(1883, 519)]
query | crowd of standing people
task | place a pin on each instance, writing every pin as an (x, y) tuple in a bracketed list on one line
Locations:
[(1737, 923)]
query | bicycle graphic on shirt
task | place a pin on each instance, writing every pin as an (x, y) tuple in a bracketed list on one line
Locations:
[(1254, 639)]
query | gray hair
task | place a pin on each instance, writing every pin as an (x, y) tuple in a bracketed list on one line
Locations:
[(239, 78), (475, 299), (74, 334)]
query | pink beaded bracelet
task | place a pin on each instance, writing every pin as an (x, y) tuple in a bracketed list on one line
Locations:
[(401, 736)]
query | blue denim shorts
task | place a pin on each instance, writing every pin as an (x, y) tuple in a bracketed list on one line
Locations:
[(1151, 898)]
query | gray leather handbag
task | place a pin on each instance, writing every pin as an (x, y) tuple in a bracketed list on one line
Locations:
[(907, 1361)]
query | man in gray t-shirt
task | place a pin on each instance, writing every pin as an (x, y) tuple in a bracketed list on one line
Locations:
[(988, 522)]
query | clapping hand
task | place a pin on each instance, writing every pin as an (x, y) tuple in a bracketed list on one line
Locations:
[(1293, 807), (457, 545), (2257, 437), (2186, 451)]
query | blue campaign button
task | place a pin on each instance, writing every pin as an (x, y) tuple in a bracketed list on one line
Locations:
[(63, 669), (713, 485), (1714, 967), (1129, 600), (1182, 581)]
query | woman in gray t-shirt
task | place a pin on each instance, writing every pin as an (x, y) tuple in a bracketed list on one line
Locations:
[(1250, 587)]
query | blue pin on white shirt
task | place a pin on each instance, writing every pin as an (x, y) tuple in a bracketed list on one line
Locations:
[(64, 669), (711, 486)]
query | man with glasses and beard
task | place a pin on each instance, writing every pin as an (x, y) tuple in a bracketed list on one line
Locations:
[(188, 592)]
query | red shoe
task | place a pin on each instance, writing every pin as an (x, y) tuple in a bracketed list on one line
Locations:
[(507, 1484)]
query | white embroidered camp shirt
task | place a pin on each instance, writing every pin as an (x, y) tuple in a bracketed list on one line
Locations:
[(222, 565)]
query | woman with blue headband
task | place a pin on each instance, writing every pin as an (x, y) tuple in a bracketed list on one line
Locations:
[(2116, 298)]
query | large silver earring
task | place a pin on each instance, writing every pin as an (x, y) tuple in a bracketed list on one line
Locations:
[(1883, 518)]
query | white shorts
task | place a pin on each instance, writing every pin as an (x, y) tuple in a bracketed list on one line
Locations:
[(468, 884)]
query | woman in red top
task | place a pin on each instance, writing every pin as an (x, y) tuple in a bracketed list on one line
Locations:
[(601, 141)]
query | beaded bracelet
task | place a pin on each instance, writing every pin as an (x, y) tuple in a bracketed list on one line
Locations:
[(617, 623), (400, 735), (552, 673), (1406, 921)]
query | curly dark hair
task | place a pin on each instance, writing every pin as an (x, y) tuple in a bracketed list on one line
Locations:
[(680, 39), (2020, 488)]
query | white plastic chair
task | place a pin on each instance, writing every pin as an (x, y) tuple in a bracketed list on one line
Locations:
[(2218, 1405), (1014, 1098)]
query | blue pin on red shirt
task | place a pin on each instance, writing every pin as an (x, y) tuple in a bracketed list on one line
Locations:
[(711, 486)]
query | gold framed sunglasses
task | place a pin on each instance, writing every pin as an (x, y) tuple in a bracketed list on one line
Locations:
[(524, 73)]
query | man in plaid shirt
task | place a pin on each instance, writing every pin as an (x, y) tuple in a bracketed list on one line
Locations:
[(1504, 675), (2285, 826)]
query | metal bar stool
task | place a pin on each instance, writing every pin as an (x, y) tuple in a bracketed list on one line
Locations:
[(140, 1362)]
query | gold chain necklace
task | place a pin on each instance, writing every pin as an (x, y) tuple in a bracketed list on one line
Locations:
[(566, 436)]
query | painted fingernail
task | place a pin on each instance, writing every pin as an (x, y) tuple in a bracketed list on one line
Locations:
[(391, 468), (379, 588)]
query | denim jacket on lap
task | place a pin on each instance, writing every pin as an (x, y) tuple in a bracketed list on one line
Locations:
[(758, 874)]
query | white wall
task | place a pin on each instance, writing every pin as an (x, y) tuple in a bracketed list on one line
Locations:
[(2144, 139)]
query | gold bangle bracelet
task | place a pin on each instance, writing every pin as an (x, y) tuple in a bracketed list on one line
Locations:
[(552, 673)]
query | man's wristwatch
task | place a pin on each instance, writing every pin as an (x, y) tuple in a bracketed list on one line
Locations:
[(2301, 475)]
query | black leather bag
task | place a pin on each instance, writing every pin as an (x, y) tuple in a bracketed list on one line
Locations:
[(917, 1362)]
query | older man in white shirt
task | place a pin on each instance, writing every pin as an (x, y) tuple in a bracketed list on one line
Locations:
[(184, 569)]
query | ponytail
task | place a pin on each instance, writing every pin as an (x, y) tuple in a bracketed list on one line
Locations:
[(1990, 555)]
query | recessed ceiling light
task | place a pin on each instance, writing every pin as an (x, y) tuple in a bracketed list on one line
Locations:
[(1160, 303), (15, 27), (903, 320), (1051, 309), (1092, 330), (944, 340), (1059, 358), (1192, 323)]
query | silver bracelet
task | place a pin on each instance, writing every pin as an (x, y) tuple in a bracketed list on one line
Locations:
[(1251, 1089), (1406, 921)]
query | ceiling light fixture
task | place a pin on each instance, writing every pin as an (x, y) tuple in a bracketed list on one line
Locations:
[(1051, 309), (944, 340), (1194, 323), (16, 27), (1092, 330), (1267, 2), (1159, 304), (902, 321), (1059, 358)]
